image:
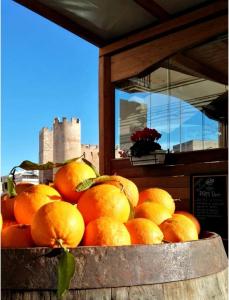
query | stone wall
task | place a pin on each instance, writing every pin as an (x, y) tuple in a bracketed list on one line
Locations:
[(91, 153), (45, 152)]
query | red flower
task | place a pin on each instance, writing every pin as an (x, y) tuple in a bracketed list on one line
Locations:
[(145, 134)]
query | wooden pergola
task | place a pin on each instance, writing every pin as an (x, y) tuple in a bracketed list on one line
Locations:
[(135, 37)]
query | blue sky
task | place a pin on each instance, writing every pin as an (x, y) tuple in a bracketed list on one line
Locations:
[(47, 72)]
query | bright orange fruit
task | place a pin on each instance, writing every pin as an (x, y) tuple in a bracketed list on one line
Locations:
[(7, 207), (27, 204), (56, 223), (179, 229), (153, 211), (130, 188), (68, 178), (104, 200), (47, 190), (191, 217), (158, 195), (1, 221), (106, 231), (17, 236), (144, 231)]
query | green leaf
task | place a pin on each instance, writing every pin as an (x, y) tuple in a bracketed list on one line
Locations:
[(11, 187), (91, 165), (66, 270), (29, 165), (85, 185)]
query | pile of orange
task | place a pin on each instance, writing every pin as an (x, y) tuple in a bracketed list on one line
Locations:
[(109, 213)]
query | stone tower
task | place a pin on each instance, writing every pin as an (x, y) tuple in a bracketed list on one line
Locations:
[(66, 139), (45, 152), (61, 143)]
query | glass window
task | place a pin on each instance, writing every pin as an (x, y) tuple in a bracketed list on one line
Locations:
[(171, 102)]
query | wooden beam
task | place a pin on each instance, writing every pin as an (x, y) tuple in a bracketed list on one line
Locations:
[(128, 171), (61, 20), (133, 62), (106, 116), (202, 70), (154, 9), (165, 28)]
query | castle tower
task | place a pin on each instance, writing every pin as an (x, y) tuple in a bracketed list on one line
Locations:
[(45, 153), (66, 139)]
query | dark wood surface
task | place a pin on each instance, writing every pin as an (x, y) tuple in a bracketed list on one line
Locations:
[(204, 288), (124, 168), (164, 28), (106, 116), (194, 66), (156, 10), (107, 267), (130, 63)]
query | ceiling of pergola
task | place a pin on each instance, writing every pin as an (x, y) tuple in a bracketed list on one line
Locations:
[(104, 22)]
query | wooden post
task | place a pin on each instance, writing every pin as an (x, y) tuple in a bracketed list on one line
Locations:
[(106, 116)]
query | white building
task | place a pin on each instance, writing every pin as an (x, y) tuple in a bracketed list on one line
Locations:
[(21, 176)]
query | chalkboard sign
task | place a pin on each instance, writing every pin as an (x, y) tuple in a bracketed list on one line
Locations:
[(209, 200)]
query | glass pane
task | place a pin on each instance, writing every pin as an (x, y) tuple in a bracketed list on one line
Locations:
[(159, 117), (131, 114), (197, 131), (172, 103)]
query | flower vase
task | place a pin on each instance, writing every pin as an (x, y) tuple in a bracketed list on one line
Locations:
[(153, 158)]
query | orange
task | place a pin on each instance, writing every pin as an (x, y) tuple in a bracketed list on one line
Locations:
[(104, 200), (7, 223), (17, 236), (69, 176), (27, 204), (179, 229), (144, 231), (22, 186), (47, 190), (130, 188), (7, 207), (158, 195), (191, 217), (29, 201), (153, 211), (57, 223), (106, 231), (1, 222)]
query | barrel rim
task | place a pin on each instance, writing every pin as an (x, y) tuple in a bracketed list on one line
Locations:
[(103, 267)]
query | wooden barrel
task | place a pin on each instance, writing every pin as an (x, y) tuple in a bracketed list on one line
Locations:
[(182, 271)]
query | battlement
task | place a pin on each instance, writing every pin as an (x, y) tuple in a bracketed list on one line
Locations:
[(64, 120), (45, 130)]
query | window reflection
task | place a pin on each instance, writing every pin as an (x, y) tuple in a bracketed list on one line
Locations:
[(173, 104)]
